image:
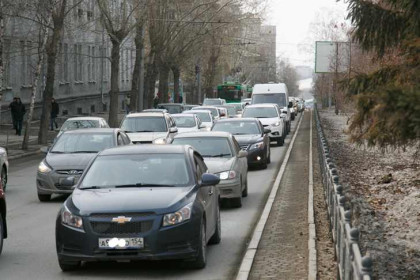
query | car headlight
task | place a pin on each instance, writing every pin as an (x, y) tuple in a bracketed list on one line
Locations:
[(159, 141), (43, 167), (226, 175), (259, 145), (276, 124), (71, 220), (177, 217)]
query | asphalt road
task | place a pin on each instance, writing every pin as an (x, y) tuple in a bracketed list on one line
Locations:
[(29, 252)]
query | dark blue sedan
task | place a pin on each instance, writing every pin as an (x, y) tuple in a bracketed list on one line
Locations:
[(147, 202)]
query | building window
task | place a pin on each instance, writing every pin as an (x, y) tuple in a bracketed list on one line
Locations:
[(6, 70), (78, 63), (127, 64), (89, 61), (26, 65), (90, 10), (93, 64), (75, 62), (66, 63), (121, 65)]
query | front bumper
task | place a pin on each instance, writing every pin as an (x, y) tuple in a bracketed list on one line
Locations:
[(230, 188), (174, 242), (49, 183), (255, 156)]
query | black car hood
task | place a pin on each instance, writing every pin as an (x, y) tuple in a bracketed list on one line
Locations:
[(125, 200), (69, 161), (248, 139)]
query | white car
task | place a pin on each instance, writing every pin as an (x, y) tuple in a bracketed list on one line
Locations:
[(270, 116), (149, 127), (83, 122), (204, 116), (214, 111), (187, 122), (4, 167)]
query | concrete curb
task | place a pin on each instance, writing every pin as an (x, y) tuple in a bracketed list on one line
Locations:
[(248, 259), (312, 269), (24, 155)]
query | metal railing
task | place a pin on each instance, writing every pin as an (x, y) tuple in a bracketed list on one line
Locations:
[(350, 263)]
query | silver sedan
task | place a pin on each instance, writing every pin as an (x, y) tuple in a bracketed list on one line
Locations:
[(4, 165)]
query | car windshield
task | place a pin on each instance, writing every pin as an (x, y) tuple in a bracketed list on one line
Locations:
[(260, 112), (212, 102), (238, 106), (238, 127), (204, 117), (172, 109), (207, 146), (231, 110), (137, 170), (184, 121), (276, 98), (144, 124), (213, 111), (77, 124), (83, 143)]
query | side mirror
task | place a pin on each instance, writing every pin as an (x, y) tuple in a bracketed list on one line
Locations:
[(67, 182), (290, 104), (208, 179), (242, 154), (45, 149), (267, 130), (173, 130)]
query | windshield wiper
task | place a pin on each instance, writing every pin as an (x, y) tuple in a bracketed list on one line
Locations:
[(145, 131), (84, 152), (141, 185), (219, 155), (91, 188), (57, 152)]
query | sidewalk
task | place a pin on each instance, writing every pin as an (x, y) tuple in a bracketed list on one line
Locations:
[(283, 249)]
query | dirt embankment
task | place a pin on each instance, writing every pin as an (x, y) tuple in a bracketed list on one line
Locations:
[(383, 190)]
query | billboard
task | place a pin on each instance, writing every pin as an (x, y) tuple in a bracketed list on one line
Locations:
[(331, 56)]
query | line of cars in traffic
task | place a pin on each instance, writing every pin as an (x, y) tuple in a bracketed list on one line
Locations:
[(160, 199)]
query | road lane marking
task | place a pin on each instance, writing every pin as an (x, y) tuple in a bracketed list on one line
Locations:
[(312, 271), (248, 259)]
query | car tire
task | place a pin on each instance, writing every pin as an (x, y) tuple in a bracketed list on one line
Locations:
[(217, 236), (69, 266), (44, 197), (236, 202), (3, 177), (292, 116), (280, 142), (201, 259), (1, 233), (245, 191), (269, 155)]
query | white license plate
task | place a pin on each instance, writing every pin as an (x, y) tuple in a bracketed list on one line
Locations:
[(121, 243)]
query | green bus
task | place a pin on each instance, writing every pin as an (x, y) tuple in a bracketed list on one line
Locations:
[(233, 92)]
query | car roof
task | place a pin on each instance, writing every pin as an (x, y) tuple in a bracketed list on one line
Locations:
[(170, 104), (205, 106), (262, 105), (238, 120), (146, 114), (85, 118), (145, 149), (183, 115), (197, 111), (204, 134), (91, 130)]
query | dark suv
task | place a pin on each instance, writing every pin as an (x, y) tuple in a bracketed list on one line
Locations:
[(3, 227)]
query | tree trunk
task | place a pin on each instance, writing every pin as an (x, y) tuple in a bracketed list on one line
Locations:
[(115, 90), (163, 82), (51, 51), (135, 81), (149, 84), (34, 90), (177, 74)]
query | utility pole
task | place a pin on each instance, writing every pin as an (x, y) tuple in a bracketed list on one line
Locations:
[(335, 78)]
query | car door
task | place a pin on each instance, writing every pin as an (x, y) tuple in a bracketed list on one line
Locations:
[(209, 196), (242, 163)]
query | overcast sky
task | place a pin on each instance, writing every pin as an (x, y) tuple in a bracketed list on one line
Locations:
[(292, 18)]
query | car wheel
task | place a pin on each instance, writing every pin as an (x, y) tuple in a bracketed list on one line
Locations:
[(269, 154), (1, 233), (200, 261), (217, 236), (44, 197), (3, 177), (69, 266), (245, 191), (280, 142), (236, 202), (292, 116)]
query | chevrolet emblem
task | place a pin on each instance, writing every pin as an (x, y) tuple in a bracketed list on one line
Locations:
[(121, 219)]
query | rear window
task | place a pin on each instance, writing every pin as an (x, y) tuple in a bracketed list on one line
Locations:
[(260, 112), (144, 124), (275, 98)]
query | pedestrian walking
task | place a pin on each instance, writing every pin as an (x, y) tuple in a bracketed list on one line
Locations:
[(12, 107), (20, 111), (156, 101), (127, 102), (55, 110)]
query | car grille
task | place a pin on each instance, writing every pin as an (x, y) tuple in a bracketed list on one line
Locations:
[(113, 215), (244, 147), (70, 172), (111, 228)]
